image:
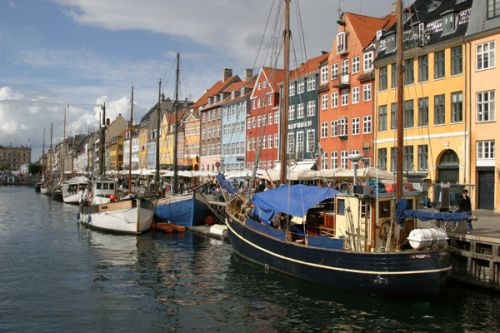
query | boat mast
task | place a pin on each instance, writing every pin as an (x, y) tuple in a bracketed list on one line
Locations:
[(43, 154), (284, 113), (130, 141), (62, 146), (400, 86), (158, 123), (51, 152), (103, 138), (176, 109)]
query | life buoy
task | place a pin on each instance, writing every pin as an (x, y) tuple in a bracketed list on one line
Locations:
[(383, 229)]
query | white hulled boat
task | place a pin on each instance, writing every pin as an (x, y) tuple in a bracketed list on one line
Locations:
[(72, 190)]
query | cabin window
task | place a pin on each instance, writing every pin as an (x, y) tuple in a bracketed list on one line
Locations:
[(340, 206), (384, 209), (111, 186), (104, 186), (98, 186)]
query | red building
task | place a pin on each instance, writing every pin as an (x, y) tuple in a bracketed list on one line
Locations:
[(346, 93), (263, 119)]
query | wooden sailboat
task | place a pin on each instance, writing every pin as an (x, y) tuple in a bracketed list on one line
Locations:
[(42, 170), (354, 241), (46, 188), (129, 215), (185, 209), (57, 192)]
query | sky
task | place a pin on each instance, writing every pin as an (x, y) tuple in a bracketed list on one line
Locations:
[(74, 55)]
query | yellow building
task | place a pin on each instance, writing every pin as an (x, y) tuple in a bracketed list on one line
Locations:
[(192, 140), (143, 147), (435, 110), (116, 152), (483, 35), (166, 142)]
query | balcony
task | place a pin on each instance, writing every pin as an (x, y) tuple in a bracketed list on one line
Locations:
[(342, 82)]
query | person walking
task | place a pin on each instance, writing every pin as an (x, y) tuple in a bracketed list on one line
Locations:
[(464, 205)]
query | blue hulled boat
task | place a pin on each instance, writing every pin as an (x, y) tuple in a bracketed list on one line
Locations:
[(182, 209)]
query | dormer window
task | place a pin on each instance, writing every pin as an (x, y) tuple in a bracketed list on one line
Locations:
[(233, 94), (341, 43), (449, 23), (368, 61), (390, 42), (493, 8)]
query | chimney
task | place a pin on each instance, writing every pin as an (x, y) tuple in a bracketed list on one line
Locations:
[(248, 74), (228, 72)]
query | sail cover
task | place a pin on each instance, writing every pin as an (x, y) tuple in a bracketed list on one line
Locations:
[(224, 183), (294, 200), (403, 210)]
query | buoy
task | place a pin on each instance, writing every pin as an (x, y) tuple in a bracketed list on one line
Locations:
[(209, 220), (112, 197)]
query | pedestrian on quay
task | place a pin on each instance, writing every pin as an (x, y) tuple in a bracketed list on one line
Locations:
[(464, 205)]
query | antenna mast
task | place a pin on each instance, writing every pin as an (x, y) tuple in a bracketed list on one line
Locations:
[(284, 113)]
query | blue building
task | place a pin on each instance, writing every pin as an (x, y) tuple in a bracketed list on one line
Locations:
[(234, 114)]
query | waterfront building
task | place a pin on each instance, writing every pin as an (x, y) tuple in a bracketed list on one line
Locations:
[(143, 144), (210, 129), (234, 115), (12, 158), (263, 120), (483, 37), (135, 149), (436, 96), (167, 139), (114, 143), (192, 140), (303, 116), (346, 85)]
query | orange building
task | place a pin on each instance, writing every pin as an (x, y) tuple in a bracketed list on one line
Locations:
[(346, 91)]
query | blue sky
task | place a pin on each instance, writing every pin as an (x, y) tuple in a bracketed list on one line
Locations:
[(84, 52)]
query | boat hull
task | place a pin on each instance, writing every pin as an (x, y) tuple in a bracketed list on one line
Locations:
[(182, 209), (409, 273), (131, 220), (72, 199), (45, 190)]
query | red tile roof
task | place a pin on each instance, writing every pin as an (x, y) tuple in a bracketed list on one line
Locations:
[(309, 66), (366, 27), (218, 87), (274, 76)]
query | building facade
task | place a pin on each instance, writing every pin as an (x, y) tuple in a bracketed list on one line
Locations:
[(483, 37), (12, 158), (192, 140), (435, 95), (263, 120)]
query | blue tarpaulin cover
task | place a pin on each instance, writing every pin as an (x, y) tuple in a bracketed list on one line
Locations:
[(294, 200), (403, 211), (224, 183)]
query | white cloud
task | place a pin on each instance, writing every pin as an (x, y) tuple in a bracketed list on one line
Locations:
[(6, 94)]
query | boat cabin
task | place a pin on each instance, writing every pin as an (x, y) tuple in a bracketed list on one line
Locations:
[(104, 187)]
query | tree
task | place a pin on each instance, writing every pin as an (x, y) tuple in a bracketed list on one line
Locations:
[(34, 168)]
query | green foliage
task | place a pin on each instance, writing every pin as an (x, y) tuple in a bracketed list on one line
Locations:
[(3, 167), (34, 168)]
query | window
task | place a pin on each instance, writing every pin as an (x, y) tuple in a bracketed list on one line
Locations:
[(408, 158), (324, 160), (311, 83), (291, 89), (269, 119), (493, 8), (334, 129), (423, 68), (408, 115), (291, 143), (276, 142), (300, 142), (341, 43), (485, 106), (263, 144), (344, 70), (485, 57), (355, 65), (367, 92), (423, 111), (324, 101), (343, 159), (311, 108), (334, 164), (456, 107), (456, 60), (408, 71), (345, 97), (367, 124), (355, 126), (335, 71), (439, 115), (270, 141), (276, 117), (300, 110), (394, 119), (390, 42), (449, 23), (269, 99), (355, 95), (368, 61), (382, 78), (291, 112), (394, 76), (382, 118), (438, 64), (382, 159), (310, 141), (324, 130), (423, 153), (300, 87), (342, 123), (324, 74), (485, 150), (335, 99), (394, 158)]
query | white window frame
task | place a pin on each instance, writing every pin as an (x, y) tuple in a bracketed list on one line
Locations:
[(324, 130), (345, 97), (300, 110), (355, 126), (334, 160), (335, 71), (485, 150), (276, 117), (344, 68), (291, 89), (310, 142), (485, 100), (335, 99), (355, 65), (311, 108), (291, 112), (344, 162), (311, 83), (368, 61), (355, 95), (341, 43), (486, 52), (324, 102), (301, 87), (276, 142), (300, 142), (324, 74), (367, 124), (367, 92)]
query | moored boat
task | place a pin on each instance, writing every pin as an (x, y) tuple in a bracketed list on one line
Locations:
[(72, 190), (182, 209)]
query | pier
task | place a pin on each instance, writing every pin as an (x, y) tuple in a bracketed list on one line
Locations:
[(476, 257)]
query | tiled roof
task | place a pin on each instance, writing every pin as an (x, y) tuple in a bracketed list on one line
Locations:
[(366, 27), (309, 66), (218, 87), (275, 76)]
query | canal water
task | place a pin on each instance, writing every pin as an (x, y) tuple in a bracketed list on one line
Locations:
[(58, 277)]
